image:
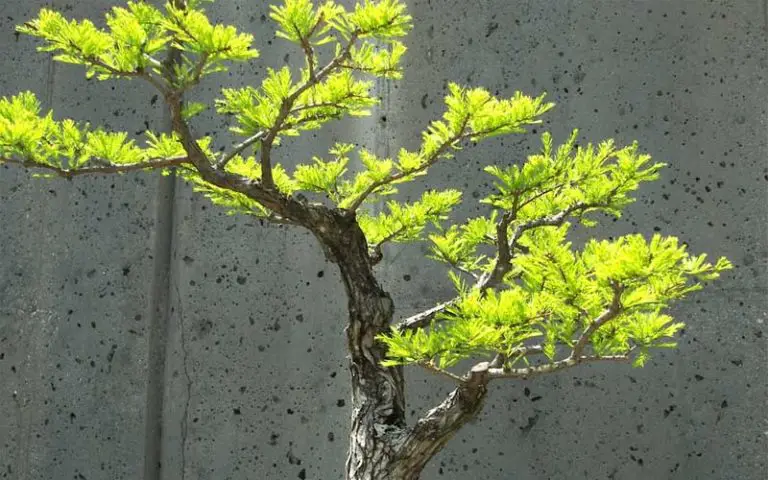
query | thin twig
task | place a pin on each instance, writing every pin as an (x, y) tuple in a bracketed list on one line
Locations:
[(239, 148), (431, 367)]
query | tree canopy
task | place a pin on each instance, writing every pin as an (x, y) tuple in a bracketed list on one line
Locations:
[(527, 302)]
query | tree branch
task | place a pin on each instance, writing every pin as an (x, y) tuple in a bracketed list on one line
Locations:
[(529, 372), (238, 149), (268, 138), (610, 313), (433, 431), (430, 367), (423, 319), (397, 176), (106, 169)]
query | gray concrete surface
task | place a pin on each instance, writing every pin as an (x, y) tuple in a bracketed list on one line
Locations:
[(137, 321)]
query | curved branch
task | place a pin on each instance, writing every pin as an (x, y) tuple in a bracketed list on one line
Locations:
[(418, 444)]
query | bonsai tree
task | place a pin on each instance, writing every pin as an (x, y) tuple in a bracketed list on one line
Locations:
[(526, 303)]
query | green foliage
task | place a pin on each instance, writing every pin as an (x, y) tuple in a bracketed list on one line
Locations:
[(405, 222), (601, 177), (300, 21), (383, 20), (458, 245), (65, 145), (259, 109), (138, 37), (378, 61), (542, 289), (556, 293), (193, 32)]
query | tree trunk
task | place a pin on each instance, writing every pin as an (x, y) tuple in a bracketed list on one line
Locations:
[(381, 445), (378, 397)]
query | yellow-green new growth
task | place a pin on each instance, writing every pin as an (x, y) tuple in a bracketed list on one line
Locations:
[(523, 291)]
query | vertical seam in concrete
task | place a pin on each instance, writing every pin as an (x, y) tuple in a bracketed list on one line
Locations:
[(159, 315), (765, 16), (188, 380)]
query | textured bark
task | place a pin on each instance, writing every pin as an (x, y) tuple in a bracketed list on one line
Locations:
[(432, 432), (378, 397), (381, 446)]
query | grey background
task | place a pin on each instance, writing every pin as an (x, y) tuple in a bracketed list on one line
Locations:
[(138, 321)]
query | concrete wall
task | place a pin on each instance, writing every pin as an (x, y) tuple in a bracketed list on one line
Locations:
[(137, 321)]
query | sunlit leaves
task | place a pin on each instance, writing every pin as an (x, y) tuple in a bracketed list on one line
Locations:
[(382, 19), (404, 222), (259, 109), (298, 20), (558, 292), (26, 135), (442, 137), (379, 61), (114, 147), (164, 146), (321, 176), (136, 38), (596, 177), (458, 245), (74, 39), (193, 32)]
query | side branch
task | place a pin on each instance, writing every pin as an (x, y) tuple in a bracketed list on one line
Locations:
[(492, 279), (432, 432), (423, 319), (268, 139), (102, 169), (427, 163), (609, 314), (529, 372)]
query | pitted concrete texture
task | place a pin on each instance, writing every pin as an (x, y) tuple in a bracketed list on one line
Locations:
[(141, 325)]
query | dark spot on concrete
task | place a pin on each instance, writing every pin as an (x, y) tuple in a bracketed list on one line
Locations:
[(531, 422), (241, 279), (340, 402), (293, 459), (492, 27)]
